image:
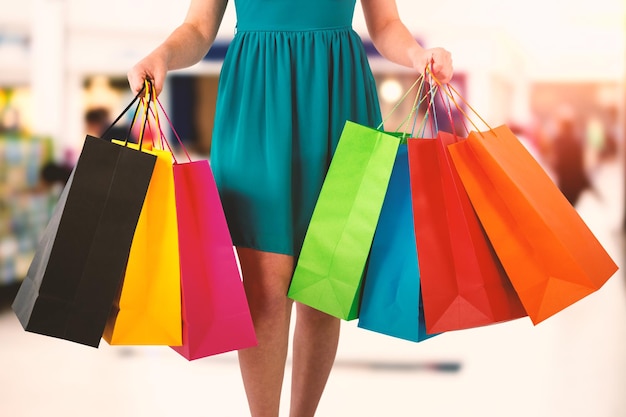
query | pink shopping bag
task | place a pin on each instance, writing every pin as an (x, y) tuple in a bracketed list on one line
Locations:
[(215, 312)]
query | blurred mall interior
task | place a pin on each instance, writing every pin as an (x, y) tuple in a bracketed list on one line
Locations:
[(554, 74)]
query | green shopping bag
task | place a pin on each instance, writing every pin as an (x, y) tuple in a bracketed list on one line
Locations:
[(330, 267)]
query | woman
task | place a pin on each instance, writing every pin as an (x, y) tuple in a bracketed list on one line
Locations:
[(293, 74)]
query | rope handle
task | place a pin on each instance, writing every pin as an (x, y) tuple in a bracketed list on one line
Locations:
[(420, 97), (450, 93), (431, 109), (153, 102), (180, 142), (148, 111), (420, 81), (148, 86), (430, 115), (119, 117)]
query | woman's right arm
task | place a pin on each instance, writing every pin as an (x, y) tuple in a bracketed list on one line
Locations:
[(185, 46)]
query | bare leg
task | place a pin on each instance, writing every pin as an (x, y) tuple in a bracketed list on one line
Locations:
[(266, 280), (314, 348)]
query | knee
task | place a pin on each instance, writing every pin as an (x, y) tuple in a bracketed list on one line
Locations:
[(269, 304)]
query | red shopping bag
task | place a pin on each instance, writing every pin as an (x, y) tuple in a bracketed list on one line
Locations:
[(463, 282)]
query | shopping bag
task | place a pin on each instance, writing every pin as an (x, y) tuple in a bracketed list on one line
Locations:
[(463, 282), (550, 255), (215, 313), (330, 267), (76, 271), (392, 302), (147, 310)]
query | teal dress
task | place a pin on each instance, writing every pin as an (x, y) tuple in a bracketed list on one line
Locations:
[(293, 74)]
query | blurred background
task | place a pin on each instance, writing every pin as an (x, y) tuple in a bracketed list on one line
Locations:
[(552, 71)]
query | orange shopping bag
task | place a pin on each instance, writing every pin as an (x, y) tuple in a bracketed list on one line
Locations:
[(550, 255)]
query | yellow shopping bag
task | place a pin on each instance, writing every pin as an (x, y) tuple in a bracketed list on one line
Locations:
[(148, 311)]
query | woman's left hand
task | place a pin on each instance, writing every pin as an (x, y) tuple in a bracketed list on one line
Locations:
[(440, 61)]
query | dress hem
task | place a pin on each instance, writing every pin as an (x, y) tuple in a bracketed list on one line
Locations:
[(260, 249)]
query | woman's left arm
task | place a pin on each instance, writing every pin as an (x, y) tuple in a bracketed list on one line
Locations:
[(394, 41)]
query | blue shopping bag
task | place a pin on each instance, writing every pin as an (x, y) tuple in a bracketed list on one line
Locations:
[(391, 302)]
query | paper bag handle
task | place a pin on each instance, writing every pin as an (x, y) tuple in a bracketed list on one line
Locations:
[(450, 92), (154, 100), (119, 117)]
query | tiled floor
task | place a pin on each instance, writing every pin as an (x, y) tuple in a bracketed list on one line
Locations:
[(572, 365)]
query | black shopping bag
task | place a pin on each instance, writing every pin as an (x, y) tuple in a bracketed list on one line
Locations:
[(78, 266)]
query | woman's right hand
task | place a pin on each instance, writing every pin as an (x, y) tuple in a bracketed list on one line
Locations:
[(153, 67), (185, 46)]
